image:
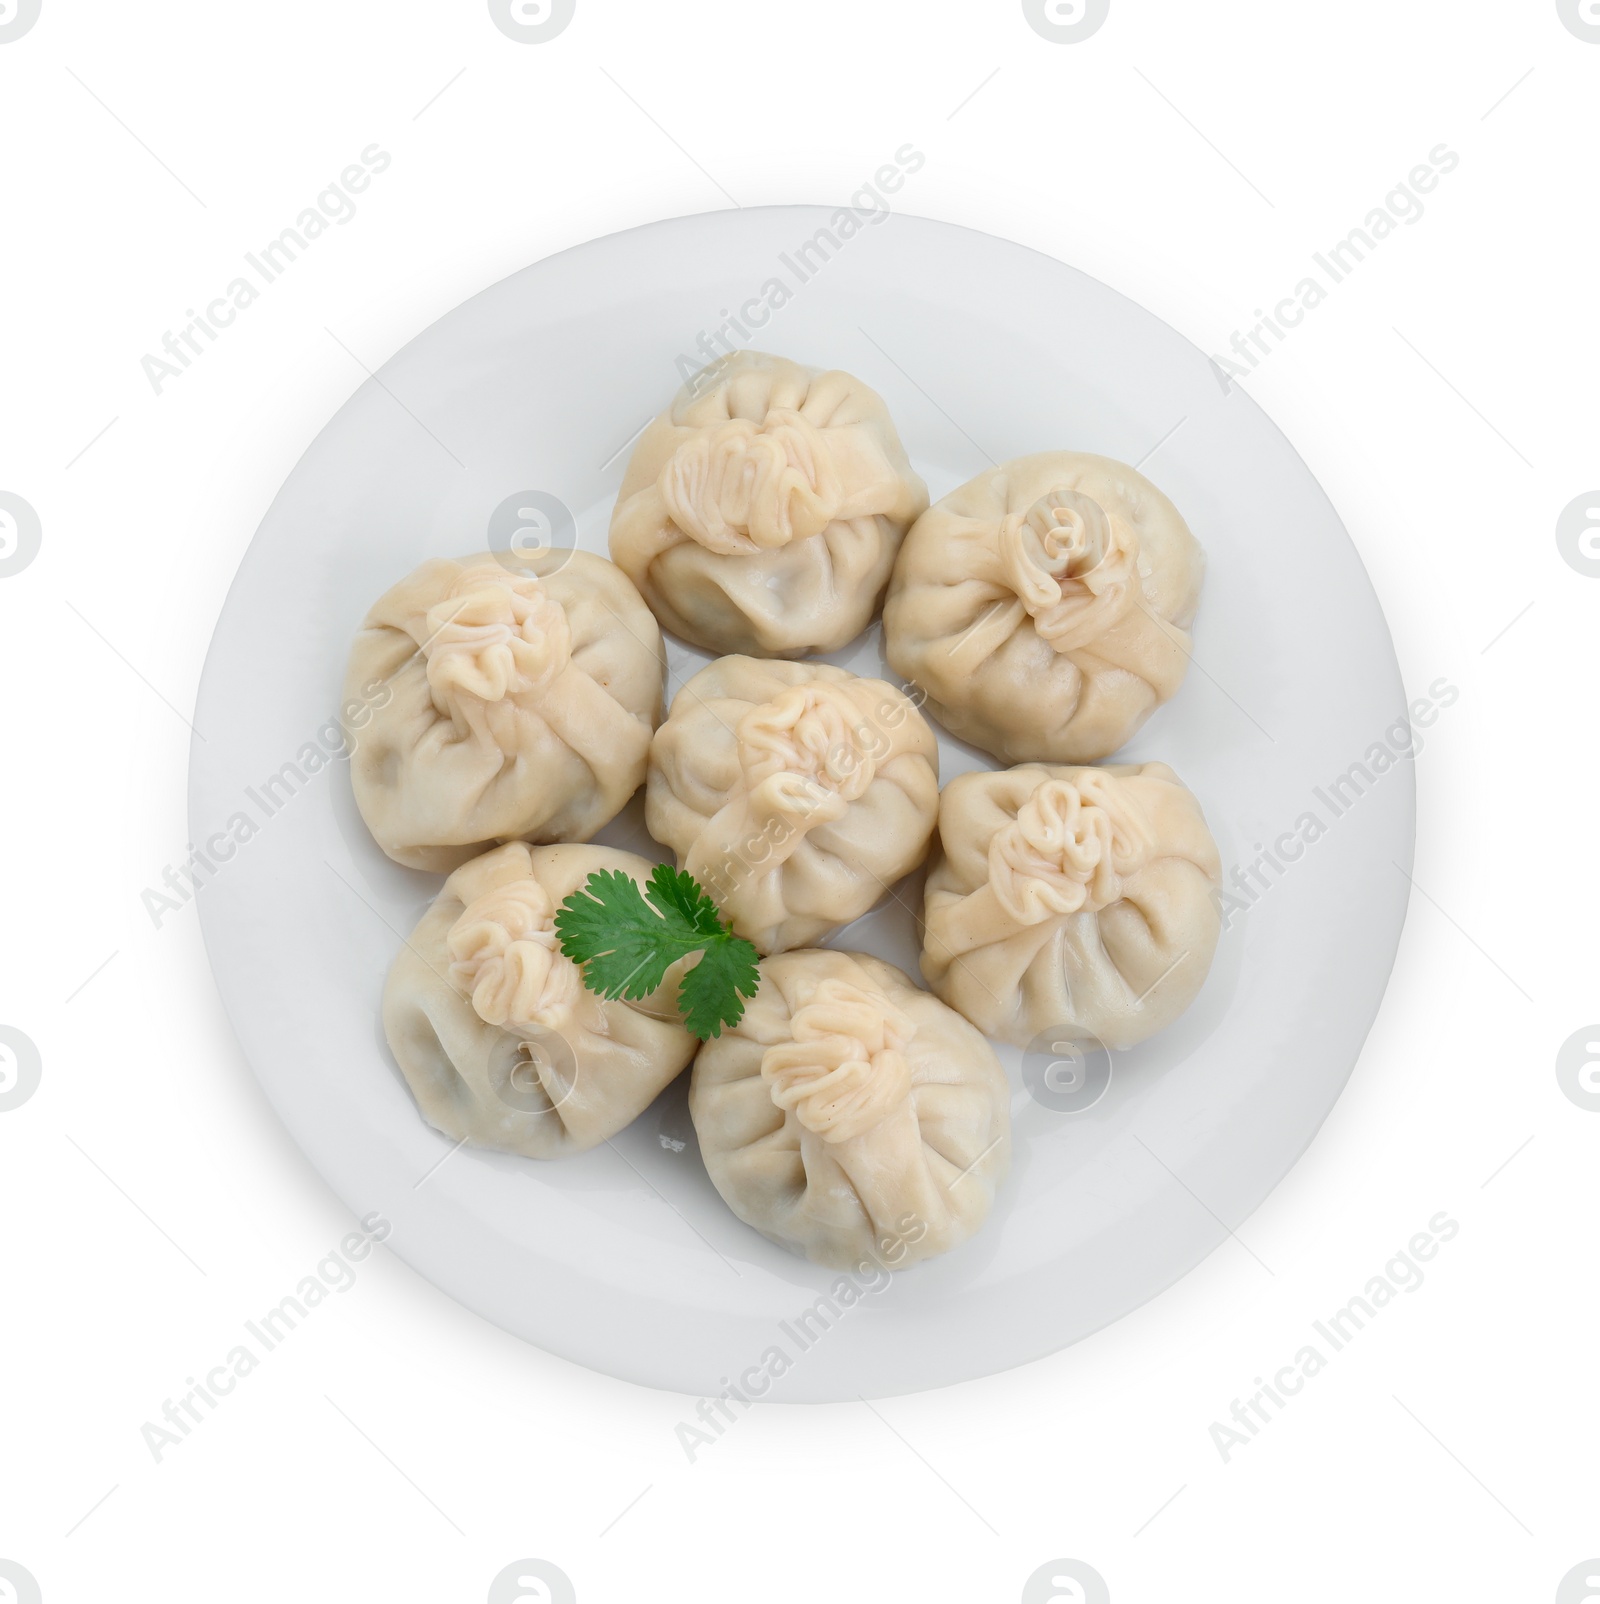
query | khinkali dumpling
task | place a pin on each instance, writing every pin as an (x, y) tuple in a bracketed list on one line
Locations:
[(521, 704), (1071, 900), (796, 793), (762, 511), (850, 1116), (490, 1021), (1044, 607)]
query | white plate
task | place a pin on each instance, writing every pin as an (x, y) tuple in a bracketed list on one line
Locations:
[(625, 1259)]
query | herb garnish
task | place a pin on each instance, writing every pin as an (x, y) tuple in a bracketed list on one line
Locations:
[(626, 941)]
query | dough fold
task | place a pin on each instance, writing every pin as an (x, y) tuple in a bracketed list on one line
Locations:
[(498, 1038), (850, 1117), (1077, 901), (761, 512), (484, 704), (796, 793), (1044, 607)]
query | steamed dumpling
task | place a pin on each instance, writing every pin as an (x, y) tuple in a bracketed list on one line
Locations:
[(520, 704), (796, 793), (761, 512), (1071, 900), (851, 1117), (499, 1040), (1044, 607)]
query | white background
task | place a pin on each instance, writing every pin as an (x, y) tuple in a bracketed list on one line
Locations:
[(1194, 157)]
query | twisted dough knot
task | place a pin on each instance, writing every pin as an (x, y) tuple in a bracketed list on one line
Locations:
[(845, 1067), (505, 956), (744, 487), (1071, 564), (495, 634), (817, 734), (1070, 847)]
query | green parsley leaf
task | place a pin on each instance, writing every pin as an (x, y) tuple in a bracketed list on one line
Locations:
[(626, 940), (672, 891), (712, 992), (616, 936)]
